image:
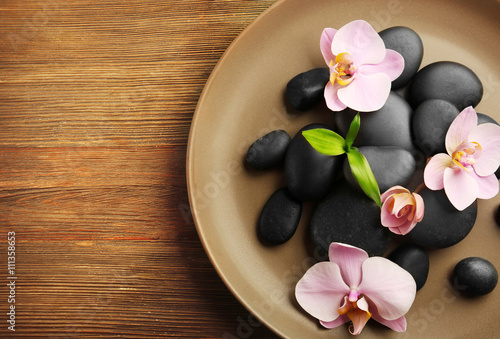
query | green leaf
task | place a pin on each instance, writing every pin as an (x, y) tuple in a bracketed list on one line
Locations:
[(362, 171), (325, 141), (353, 131)]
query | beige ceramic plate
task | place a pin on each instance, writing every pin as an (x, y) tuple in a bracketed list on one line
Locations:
[(243, 100)]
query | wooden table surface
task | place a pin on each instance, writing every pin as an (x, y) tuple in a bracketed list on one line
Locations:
[(96, 102)]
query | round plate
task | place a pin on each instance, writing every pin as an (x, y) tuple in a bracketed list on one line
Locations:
[(244, 99)]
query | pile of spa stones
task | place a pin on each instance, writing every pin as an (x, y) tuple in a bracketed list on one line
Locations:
[(396, 140)]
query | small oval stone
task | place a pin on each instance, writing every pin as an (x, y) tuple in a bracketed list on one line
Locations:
[(430, 123), (279, 218), (414, 259), (442, 225), (309, 174), (391, 166), (406, 42), (449, 81), (268, 151), (349, 217), (389, 126), (475, 276), (306, 89)]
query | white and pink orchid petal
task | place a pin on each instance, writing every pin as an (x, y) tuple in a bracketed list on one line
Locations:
[(396, 230), (460, 186), (366, 93), (488, 137), (398, 325), (393, 190), (326, 44), (387, 216), (392, 65), (332, 99), (350, 259), (434, 171), (419, 207), (360, 40), (460, 128), (391, 288), (321, 290), (488, 186), (401, 201), (335, 323)]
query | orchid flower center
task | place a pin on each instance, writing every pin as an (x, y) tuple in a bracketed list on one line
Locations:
[(408, 207), (342, 69), (466, 154), (356, 309)]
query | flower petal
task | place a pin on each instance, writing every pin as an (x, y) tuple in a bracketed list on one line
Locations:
[(393, 190), (359, 316), (398, 325), (366, 93), (321, 290), (488, 186), (388, 218), (350, 259), (335, 323), (488, 136), (460, 186), (326, 44), (331, 97), (460, 128), (391, 288), (434, 171), (360, 40), (392, 65), (419, 207)]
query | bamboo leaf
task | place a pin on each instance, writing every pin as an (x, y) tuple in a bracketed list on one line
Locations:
[(325, 141), (363, 173), (353, 131)]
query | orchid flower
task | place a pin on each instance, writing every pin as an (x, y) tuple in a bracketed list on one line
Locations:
[(467, 172), (352, 286), (401, 210), (361, 68)]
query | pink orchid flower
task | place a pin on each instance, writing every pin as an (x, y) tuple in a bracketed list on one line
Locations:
[(401, 210), (467, 172), (361, 68), (352, 286)]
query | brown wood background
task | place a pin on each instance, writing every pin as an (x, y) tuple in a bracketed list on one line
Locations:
[(96, 101)]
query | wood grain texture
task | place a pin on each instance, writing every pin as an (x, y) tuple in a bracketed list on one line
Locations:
[(96, 101)]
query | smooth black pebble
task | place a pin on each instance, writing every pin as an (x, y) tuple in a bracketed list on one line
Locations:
[(389, 126), (391, 166), (443, 225), (449, 81), (484, 118), (268, 151), (414, 259), (348, 216), (309, 174), (279, 218), (306, 89), (475, 276), (430, 123), (406, 42)]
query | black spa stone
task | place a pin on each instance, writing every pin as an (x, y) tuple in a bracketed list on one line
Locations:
[(306, 89), (309, 174), (414, 259), (279, 218), (348, 216), (430, 123), (406, 42), (484, 118), (389, 126), (475, 276), (449, 81), (268, 151), (442, 225), (391, 166)]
